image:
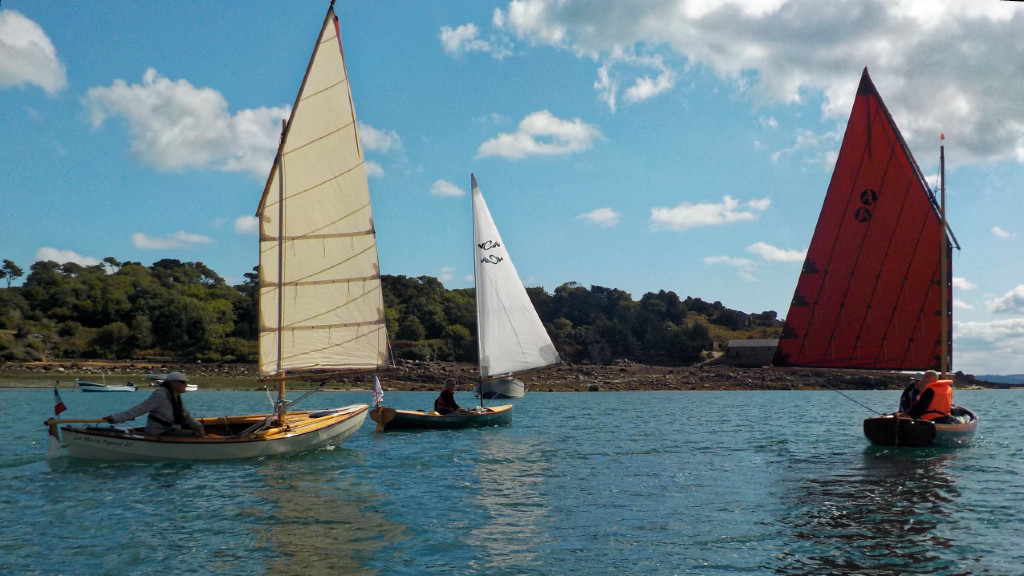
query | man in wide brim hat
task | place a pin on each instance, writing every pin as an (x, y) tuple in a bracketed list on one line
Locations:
[(167, 414)]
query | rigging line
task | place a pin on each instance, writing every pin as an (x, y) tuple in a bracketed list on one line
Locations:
[(857, 402)]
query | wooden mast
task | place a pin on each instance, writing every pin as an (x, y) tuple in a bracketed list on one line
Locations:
[(944, 364)]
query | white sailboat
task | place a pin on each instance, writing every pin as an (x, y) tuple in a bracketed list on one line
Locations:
[(510, 336), (321, 304)]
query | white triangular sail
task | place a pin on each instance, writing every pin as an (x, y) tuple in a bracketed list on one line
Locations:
[(321, 305), (510, 335)]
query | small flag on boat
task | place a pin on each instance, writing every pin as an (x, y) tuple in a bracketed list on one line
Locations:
[(58, 404), (378, 392)]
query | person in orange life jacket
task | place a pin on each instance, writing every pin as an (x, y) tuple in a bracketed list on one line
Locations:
[(167, 415), (935, 399), (445, 403)]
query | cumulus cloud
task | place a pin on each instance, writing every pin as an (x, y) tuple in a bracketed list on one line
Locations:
[(466, 38), (962, 283), (956, 56), (603, 217), (446, 189), (27, 56), (1010, 303), (379, 140), (447, 274), (247, 225), (542, 134), (174, 125), (179, 239), (47, 253), (1000, 233), (774, 254), (744, 266), (687, 215)]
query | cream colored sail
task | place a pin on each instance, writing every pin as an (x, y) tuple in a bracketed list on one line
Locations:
[(510, 335), (321, 306)]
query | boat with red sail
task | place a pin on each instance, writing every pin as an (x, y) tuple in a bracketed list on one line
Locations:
[(875, 290)]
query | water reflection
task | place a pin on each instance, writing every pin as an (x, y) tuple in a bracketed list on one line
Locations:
[(511, 472), (317, 522), (883, 516)]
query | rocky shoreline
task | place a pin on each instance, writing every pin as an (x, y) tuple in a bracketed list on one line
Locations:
[(428, 376)]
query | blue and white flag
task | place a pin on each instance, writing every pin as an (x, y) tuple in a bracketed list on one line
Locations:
[(378, 392)]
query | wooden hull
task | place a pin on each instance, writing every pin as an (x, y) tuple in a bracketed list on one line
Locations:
[(889, 430), (303, 431), (504, 388), (392, 419)]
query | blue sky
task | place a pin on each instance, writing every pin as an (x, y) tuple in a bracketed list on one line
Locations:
[(680, 145)]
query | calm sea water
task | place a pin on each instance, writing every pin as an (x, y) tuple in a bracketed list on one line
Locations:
[(587, 483)]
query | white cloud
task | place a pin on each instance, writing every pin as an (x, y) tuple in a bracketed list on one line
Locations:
[(373, 169), (1000, 233), (447, 274), (446, 189), (542, 134), (175, 125), (687, 215), (962, 283), (744, 266), (247, 225), (379, 140), (774, 254), (179, 239), (27, 56), (959, 304), (956, 56), (64, 256), (603, 217), (995, 331), (1010, 303), (466, 38)]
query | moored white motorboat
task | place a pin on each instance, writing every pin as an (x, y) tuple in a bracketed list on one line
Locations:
[(87, 386)]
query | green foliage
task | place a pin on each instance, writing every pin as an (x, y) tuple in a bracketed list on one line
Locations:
[(186, 311)]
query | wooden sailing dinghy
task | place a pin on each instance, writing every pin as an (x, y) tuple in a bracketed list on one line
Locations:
[(876, 286), (321, 304)]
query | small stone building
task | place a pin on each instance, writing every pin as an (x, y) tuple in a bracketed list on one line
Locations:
[(750, 353)]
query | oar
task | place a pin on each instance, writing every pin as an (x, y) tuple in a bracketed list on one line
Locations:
[(74, 421)]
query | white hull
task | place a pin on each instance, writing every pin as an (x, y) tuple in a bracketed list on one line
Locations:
[(90, 444), (86, 386), (505, 388)]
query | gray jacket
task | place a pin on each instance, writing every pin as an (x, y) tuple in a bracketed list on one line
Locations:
[(160, 408)]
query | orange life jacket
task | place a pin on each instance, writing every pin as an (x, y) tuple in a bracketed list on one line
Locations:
[(942, 400)]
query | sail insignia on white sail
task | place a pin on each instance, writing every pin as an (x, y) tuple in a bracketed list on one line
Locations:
[(511, 337)]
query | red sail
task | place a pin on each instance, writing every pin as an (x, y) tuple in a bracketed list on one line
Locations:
[(869, 294)]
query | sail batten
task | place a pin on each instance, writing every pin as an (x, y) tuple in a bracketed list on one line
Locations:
[(510, 336), (321, 302), (869, 287)]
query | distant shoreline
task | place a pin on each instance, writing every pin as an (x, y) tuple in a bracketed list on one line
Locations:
[(428, 376)]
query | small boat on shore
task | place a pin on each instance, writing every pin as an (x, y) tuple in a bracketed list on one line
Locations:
[(87, 386), (158, 379), (477, 417)]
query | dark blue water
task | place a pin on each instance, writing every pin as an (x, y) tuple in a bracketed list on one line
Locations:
[(586, 483)]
